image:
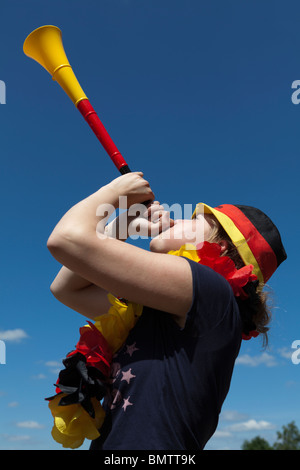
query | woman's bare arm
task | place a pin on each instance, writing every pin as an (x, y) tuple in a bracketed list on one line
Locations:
[(85, 297), (159, 281), (78, 293)]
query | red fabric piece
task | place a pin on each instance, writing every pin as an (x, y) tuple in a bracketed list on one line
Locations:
[(210, 255), (95, 348), (252, 334)]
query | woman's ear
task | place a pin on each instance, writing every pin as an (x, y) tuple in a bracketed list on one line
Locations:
[(224, 245)]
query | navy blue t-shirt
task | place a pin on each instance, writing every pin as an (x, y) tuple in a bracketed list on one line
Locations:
[(168, 383)]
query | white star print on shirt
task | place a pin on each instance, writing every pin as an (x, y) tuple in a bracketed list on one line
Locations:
[(130, 349), (118, 375), (127, 375), (126, 403)]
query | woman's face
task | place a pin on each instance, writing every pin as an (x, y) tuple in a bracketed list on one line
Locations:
[(183, 231)]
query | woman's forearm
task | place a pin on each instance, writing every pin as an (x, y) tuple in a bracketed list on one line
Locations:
[(86, 216), (83, 216), (68, 281), (77, 229)]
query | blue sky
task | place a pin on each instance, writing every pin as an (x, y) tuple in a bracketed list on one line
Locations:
[(195, 94)]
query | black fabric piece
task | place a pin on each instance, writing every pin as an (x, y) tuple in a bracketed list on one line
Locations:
[(81, 383), (266, 228)]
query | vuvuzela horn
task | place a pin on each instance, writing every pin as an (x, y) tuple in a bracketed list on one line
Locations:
[(45, 46)]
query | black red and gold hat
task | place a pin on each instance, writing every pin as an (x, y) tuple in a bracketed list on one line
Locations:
[(255, 236)]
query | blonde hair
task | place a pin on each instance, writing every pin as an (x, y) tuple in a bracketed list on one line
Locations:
[(255, 310)]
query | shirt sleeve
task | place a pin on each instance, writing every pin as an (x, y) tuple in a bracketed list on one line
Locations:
[(213, 299)]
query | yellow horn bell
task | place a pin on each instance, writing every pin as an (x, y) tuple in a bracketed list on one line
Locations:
[(45, 46)]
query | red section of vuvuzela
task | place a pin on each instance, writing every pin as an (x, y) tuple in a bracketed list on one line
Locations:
[(91, 117)]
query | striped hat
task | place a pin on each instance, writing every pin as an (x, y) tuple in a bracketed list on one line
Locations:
[(255, 236)]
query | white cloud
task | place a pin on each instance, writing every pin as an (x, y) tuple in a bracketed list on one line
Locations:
[(254, 361), (14, 438), (250, 425), (232, 415), (13, 335), (286, 353), (39, 376), (222, 434), (29, 425), (53, 364)]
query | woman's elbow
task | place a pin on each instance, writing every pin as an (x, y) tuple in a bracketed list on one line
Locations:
[(62, 240), (54, 289), (57, 244), (53, 243)]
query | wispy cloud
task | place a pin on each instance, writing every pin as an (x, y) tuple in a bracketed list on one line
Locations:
[(221, 434), (39, 376), (13, 335), (250, 425), (15, 438), (253, 361), (286, 353), (54, 366), (29, 425), (232, 415), (234, 424), (13, 404)]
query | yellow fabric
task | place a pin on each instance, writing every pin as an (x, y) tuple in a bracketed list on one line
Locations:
[(116, 324), (188, 251), (236, 236), (72, 424)]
